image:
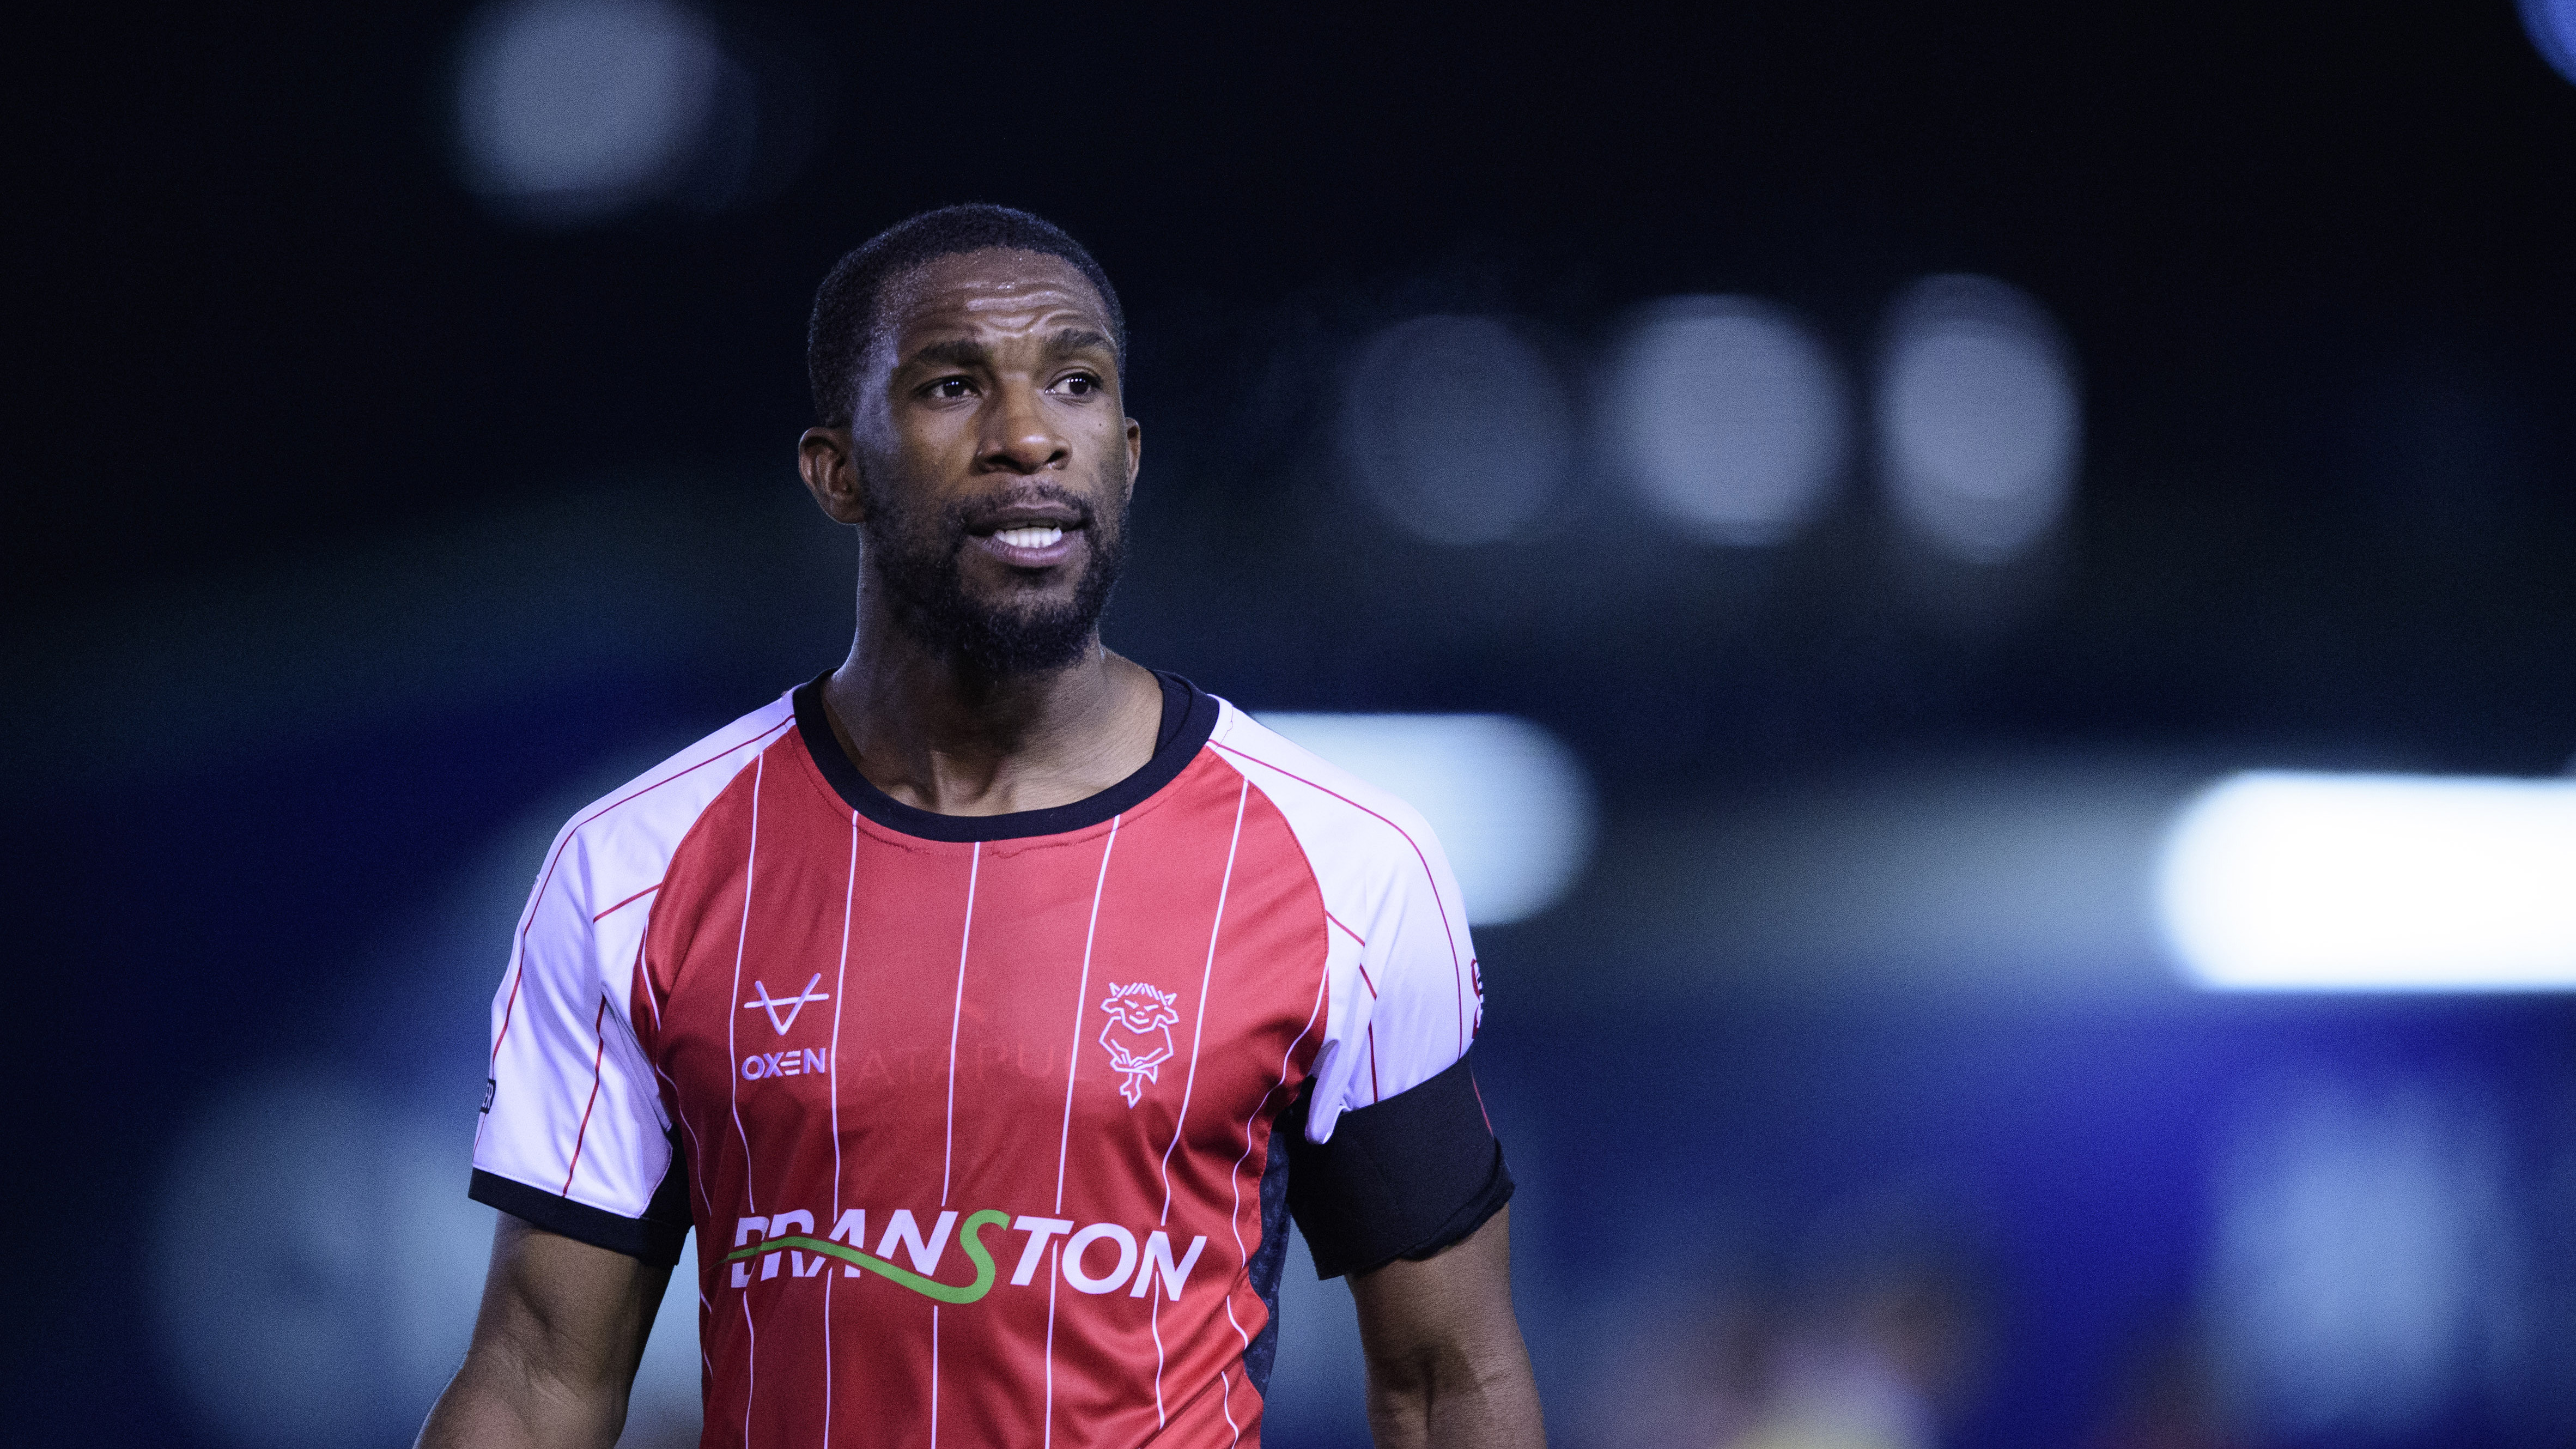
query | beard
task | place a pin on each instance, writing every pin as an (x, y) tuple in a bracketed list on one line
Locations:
[(917, 558)]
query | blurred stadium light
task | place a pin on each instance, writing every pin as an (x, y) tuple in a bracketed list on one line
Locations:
[(1731, 417), (2017, 878), (1458, 429), (1510, 803), (2552, 26), (1979, 424), (2278, 881), (2364, 1269), (571, 111)]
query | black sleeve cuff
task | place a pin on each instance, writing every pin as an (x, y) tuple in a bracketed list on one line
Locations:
[(1402, 1178), (654, 1239)]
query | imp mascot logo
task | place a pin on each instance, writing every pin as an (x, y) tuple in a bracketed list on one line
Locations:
[(1139, 1033)]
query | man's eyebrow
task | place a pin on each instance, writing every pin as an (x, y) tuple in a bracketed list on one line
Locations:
[(1079, 339), (954, 352), (967, 352)]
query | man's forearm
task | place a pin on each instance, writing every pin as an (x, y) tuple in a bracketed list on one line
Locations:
[(1446, 1365), (1454, 1401), (492, 1404)]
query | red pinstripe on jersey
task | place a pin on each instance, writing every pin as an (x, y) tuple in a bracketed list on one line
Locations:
[(630, 900), (592, 1104)]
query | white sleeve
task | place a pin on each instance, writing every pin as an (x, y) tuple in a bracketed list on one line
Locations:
[(575, 1136), (1406, 994)]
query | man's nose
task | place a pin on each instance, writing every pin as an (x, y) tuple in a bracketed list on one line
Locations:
[(1022, 438)]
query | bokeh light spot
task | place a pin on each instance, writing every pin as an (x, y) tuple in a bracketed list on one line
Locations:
[(1979, 422), (1732, 418), (575, 110), (2277, 881), (1457, 428), (2361, 1266)]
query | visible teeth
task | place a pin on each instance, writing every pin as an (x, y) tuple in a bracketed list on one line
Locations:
[(1030, 537)]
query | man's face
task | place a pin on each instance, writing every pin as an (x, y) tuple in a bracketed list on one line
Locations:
[(994, 458)]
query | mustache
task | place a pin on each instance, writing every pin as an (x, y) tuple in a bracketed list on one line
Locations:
[(978, 515)]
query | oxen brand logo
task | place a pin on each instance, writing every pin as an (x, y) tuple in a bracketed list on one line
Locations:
[(1138, 1034), (761, 1000)]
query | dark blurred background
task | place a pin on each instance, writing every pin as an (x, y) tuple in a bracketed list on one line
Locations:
[(1887, 462)]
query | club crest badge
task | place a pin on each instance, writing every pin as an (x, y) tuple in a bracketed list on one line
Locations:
[(1139, 1034)]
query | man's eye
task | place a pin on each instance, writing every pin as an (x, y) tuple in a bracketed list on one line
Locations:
[(1081, 384), (951, 388)]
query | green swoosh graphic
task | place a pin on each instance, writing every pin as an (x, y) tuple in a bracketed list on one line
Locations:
[(976, 1252)]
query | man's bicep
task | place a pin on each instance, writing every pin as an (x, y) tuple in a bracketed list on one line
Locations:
[(555, 1346), (575, 1313), (1458, 1300)]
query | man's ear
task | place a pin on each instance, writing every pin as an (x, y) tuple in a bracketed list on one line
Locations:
[(830, 467), (1135, 434)]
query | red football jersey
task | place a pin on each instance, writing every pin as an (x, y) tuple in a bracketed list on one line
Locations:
[(973, 1115)]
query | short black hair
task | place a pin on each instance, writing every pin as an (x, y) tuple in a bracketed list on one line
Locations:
[(845, 306)]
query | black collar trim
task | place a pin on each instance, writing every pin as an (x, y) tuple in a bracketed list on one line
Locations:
[(1189, 717)]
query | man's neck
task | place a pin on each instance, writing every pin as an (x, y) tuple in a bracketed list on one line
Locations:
[(949, 739)]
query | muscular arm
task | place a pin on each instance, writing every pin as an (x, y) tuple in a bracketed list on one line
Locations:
[(555, 1346), (1446, 1367)]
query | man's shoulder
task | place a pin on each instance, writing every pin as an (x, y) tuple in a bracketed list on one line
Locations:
[(633, 829), (1333, 812)]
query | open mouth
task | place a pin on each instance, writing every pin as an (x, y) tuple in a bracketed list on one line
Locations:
[(1030, 536), (1030, 531), (1025, 542)]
